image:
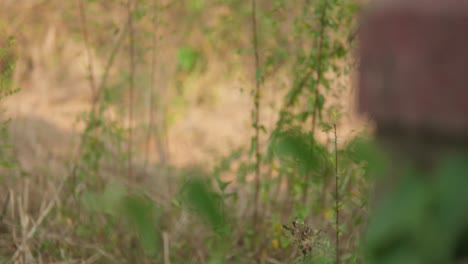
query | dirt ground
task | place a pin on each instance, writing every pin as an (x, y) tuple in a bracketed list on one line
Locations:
[(45, 124), (52, 70)]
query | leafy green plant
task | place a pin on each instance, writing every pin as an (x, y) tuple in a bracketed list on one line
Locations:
[(7, 88)]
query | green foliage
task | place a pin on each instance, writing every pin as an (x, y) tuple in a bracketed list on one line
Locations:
[(197, 5), (187, 58), (6, 158), (365, 152), (7, 66), (424, 220), (141, 213), (208, 204), (109, 201), (301, 147)]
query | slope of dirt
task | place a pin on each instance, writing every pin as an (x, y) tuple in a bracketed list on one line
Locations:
[(52, 70)]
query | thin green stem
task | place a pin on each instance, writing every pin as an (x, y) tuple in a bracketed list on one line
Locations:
[(153, 82), (319, 73), (319, 65), (256, 114), (337, 200), (84, 31), (131, 87)]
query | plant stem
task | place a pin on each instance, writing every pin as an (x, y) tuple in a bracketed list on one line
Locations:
[(337, 200), (96, 98), (319, 64), (131, 86), (110, 62), (319, 72), (298, 86), (84, 31), (97, 93), (153, 81), (257, 113)]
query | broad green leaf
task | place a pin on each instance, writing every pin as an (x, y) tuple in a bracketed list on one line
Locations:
[(205, 201), (140, 213)]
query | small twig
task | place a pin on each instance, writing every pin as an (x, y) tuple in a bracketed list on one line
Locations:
[(84, 30), (153, 82), (68, 261), (167, 259), (110, 62), (273, 261), (319, 65), (97, 94), (5, 207), (96, 98), (94, 258), (84, 245)]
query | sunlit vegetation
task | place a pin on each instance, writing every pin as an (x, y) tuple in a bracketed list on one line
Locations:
[(144, 174)]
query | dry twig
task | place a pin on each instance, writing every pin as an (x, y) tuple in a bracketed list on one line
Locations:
[(166, 248)]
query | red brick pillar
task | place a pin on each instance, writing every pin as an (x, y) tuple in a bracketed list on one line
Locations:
[(414, 66), (414, 74), (414, 81)]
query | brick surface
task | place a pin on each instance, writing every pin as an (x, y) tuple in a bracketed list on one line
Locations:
[(414, 64)]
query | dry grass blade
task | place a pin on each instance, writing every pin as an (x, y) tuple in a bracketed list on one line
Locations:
[(166, 248), (5, 207), (273, 261), (84, 245), (27, 236)]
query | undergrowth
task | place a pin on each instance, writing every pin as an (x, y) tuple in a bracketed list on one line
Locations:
[(112, 208)]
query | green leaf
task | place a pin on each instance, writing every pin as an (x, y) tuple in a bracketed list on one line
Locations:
[(326, 127), (252, 146), (340, 51), (140, 12), (320, 101), (242, 172), (187, 58), (364, 151), (222, 185), (90, 201), (324, 81), (259, 75), (298, 146), (112, 197), (302, 116), (140, 214), (200, 196)]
